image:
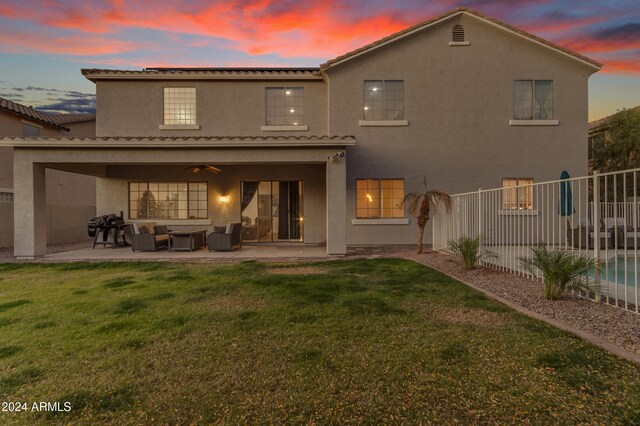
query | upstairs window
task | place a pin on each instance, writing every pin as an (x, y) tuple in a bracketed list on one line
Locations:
[(285, 106), (30, 131), (533, 100), (379, 198), (517, 194), (179, 105), (458, 34), (383, 100)]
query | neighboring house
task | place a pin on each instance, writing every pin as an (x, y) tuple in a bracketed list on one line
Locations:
[(70, 197), (597, 132), (327, 154)]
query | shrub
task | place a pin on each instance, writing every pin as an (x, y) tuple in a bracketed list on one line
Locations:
[(561, 271), (468, 249)]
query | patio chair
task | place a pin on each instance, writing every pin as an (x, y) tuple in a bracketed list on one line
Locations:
[(582, 235), (225, 238), (147, 236), (624, 234)]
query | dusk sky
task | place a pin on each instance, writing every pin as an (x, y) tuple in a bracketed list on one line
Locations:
[(43, 44)]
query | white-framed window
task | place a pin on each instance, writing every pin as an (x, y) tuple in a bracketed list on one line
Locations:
[(285, 106), (517, 194), (6, 197), (30, 131), (179, 105), (379, 198), (533, 100), (168, 200), (383, 100)]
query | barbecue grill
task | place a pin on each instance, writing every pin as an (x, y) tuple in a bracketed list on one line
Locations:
[(110, 227)]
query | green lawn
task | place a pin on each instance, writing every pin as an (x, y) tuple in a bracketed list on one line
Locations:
[(376, 341)]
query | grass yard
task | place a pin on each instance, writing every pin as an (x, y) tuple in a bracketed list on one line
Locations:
[(374, 341)]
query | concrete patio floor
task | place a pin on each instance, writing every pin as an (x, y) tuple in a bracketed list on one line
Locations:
[(258, 251)]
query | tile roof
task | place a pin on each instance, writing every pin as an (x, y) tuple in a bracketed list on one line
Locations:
[(71, 118), (215, 138), (206, 72), (451, 14), (183, 141), (597, 124), (30, 113)]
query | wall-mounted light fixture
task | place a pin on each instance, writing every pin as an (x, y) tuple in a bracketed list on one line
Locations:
[(224, 199), (339, 154)]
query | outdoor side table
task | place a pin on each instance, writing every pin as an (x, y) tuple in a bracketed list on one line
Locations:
[(187, 240)]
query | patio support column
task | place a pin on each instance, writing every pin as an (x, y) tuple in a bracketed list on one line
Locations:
[(30, 208), (337, 206)]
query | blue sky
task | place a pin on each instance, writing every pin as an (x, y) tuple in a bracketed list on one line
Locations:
[(43, 44)]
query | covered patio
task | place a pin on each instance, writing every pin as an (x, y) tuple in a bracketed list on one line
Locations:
[(317, 161)]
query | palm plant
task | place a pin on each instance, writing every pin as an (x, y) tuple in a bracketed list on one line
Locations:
[(468, 248), (421, 204), (561, 271)]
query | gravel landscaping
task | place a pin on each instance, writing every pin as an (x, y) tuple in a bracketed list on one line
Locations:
[(614, 325)]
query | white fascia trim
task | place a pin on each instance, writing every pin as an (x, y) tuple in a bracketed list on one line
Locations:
[(534, 122), (179, 127), (181, 222), (284, 128), (517, 212), (380, 221), (383, 123), (459, 43)]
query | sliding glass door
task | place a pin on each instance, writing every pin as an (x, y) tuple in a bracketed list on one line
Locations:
[(272, 211)]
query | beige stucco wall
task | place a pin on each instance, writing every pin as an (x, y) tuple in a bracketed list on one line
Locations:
[(70, 198), (224, 108), (113, 191), (458, 101)]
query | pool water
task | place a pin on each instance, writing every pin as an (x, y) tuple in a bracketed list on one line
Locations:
[(615, 271)]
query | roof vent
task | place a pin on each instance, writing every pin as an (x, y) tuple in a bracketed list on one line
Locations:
[(458, 34)]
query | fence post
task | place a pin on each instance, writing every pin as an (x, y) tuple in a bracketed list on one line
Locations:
[(596, 231), (479, 211), (480, 222)]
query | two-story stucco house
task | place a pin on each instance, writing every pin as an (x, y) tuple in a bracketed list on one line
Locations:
[(71, 198), (325, 155)]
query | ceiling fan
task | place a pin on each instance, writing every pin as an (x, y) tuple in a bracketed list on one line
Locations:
[(208, 167)]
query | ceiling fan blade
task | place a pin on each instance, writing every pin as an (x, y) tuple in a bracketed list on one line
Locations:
[(213, 169), (196, 169)]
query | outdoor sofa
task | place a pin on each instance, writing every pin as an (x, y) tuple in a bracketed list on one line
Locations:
[(225, 238), (147, 236)]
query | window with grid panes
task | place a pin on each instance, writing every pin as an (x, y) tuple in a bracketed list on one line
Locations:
[(285, 106), (383, 100), (379, 198), (168, 200), (516, 195), (6, 197), (533, 100), (179, 105)]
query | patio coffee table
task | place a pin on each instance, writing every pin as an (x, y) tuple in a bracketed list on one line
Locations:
[(187, 240)]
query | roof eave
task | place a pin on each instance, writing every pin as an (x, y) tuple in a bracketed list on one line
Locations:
[(449, 15)]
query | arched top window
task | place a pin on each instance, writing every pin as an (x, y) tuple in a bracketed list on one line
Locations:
[(458, 34)]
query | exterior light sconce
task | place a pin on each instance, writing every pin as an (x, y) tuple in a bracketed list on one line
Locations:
[(333, 157), (224, 199)]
